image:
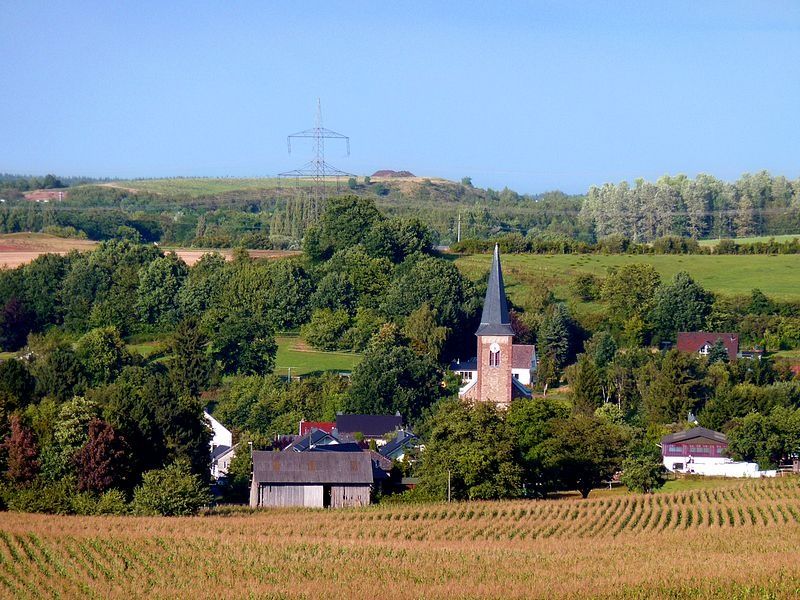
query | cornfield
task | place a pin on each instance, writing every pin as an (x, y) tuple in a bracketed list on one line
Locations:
[(739, 541)]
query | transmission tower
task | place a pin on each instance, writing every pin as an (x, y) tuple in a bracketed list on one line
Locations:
[(316, 176)]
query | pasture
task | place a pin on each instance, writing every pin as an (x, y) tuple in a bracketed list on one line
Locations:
[(777, 276), (734, 541), (206, 186), (302, 359), (750, 240)]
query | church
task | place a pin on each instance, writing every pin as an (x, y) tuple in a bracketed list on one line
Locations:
[(502, 370)]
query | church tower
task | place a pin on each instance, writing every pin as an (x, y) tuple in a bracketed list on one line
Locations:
[(495, 342)]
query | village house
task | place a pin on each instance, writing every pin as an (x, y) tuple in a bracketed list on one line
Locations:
[(367, 427), (501, 370), (701, 451), (313, 479), (701, 342), (221, 447)]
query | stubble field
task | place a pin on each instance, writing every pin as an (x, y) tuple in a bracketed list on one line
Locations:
[(738, 541)]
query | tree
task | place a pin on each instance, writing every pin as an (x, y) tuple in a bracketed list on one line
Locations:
[(555, 335), (15, 324), (546, 372), (466, 181), (171, 491), (718, 353), (59, 374), (478, 449), (69, 436), (327, 329), (672, 389), (102, 463), (759, 303), (584, 451), (22, 453), (394, 378), (425, 336), (643, 468), (160, 283), (16, 384), (532, 420), (103, 355), (681, 305), (630, 290), (241, 343), (586, 380), (191, 366), (346, 222)]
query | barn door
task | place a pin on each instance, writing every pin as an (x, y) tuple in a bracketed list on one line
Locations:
[(326, 496)]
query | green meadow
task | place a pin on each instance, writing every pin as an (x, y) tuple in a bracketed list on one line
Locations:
[(778, 276), (754, 239), (295, 354), (205, 186)]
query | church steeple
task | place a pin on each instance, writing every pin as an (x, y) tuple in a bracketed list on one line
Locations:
[(495, 319)]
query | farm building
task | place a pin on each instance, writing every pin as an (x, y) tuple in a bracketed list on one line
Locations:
[(701, 342), (309, 426), (312, 479), (701, 451)]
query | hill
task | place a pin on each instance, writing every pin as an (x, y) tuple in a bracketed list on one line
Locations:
[(733, 541)]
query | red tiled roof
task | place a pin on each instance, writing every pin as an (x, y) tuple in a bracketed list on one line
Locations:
[(693, 341), (522, 356), (308, 426)]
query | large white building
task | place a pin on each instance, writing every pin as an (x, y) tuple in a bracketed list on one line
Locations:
[(701, 451)]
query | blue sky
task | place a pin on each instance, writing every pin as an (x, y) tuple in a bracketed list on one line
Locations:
[(533, 95)]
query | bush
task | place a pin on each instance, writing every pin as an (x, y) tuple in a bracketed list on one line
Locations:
[(112, 502), (171, 491), (39, 497)]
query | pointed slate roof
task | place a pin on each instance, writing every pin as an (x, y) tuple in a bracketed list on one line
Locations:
[(495, 319)]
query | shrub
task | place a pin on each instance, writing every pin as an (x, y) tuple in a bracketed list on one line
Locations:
[(39, 497), (171, 491), (112, 502)]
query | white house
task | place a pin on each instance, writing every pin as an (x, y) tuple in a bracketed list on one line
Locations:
[(701, 451), (221, 446)]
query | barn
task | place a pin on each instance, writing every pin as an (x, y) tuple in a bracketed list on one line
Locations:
[(312, 479)]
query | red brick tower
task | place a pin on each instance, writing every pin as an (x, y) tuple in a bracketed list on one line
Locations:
[(495, 342)]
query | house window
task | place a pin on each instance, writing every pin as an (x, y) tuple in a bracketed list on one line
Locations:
[(705, 350), (516, 375)]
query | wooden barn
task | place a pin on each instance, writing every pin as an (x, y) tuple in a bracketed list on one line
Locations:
[(312, 479)]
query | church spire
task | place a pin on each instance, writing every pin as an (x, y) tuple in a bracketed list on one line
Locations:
[(495, 319)]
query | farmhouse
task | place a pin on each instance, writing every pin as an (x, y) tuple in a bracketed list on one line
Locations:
[(701, 342), (312, 479), (491, 376), (701, 451), (221, 447)]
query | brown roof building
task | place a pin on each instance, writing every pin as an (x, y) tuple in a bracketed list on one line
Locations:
[(701, 342)]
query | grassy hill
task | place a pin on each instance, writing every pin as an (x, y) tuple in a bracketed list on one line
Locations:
[(733, 541)]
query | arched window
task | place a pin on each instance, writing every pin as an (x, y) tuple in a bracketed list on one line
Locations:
[(494, 355)]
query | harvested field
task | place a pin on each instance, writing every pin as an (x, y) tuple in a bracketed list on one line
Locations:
[(738, 541), (18, 249)]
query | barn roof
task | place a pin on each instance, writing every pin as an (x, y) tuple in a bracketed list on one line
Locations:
[(312, 467), (495, 319), (695, 432)]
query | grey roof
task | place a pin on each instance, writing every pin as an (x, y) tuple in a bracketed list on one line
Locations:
[(312, 467), (495, 319), (219, 451), (368, 425), (404, 439), (311, 439), (695, 432)]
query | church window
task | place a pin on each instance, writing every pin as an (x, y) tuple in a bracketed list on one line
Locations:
[(494, 355)]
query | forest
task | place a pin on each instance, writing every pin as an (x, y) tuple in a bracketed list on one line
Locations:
[(91, 426)]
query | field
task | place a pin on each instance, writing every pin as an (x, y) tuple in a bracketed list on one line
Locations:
[(203, 186), (294, 353), (739, 541), (777, 276), (750, 240), (21, 248)]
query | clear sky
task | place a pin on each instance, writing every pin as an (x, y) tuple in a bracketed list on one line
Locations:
[(533, 95)]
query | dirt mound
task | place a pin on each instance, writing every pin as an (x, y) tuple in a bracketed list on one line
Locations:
[(392, 174)]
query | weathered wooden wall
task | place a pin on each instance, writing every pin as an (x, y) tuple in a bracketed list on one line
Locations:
[(349, 495)]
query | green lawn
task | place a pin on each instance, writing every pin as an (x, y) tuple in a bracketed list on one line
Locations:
[(777, 276), (750, 240), (294, 353)]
